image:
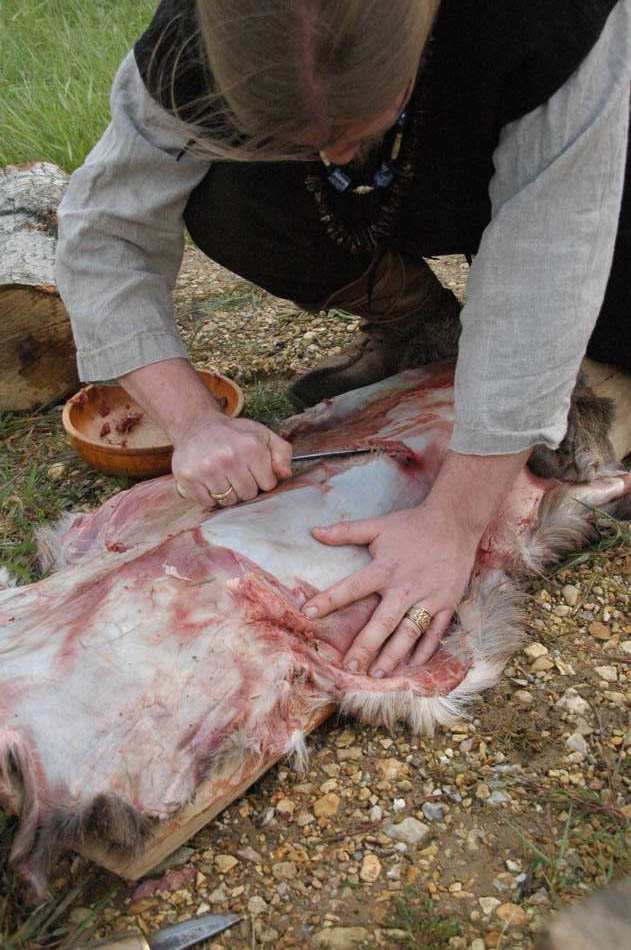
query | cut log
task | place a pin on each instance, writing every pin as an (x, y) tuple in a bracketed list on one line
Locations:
[(37, 355)]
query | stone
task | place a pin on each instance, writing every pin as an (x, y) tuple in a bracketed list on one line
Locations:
[(398, 804), (285, 809), (482, 791), (522, 697), (340, 938), (284, 870), (56, 471), (327, 806), (625, 647), (615, 697), (607, 673), (599, 630), (576, 743), (488, 904), (498, 798), (512, 915), (329, 786), (572, 703), (561, 610), (542, 665), (392, 769), (409, 831), (256, 905), (534, 650), (539, 897), (249, 854), (370, 870), (225, 863), (478, 944), (434, 811), (304, 818), (376, 813), (219, 895), (345, 739), (570, 594)]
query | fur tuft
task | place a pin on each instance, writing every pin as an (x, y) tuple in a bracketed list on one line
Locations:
[(50, 550), (486, 634)]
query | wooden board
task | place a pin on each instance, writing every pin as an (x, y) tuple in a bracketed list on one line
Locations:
[(213, 795)]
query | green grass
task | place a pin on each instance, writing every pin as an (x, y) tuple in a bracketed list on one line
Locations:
[(56, 69), (424, 927)]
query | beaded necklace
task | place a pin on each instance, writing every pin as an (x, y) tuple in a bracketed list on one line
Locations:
[(386, 190)]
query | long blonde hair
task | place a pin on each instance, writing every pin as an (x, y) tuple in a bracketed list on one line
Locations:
[(281, 66)]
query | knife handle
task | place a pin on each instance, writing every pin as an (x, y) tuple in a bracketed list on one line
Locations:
[(118, 942)]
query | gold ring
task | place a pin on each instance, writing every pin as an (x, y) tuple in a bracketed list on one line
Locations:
[(419, 616), (180, 490), (221, 495)]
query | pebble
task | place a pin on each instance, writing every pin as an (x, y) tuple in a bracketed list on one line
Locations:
[(409, 831), (542, 665), (376, 813), (599, 630), (534, 650), (572, 702), (561, 610), (512, 914), (498, 798), (249, 854), (225, 863), (56, 471), (483, 792), (304, 818), (488, 904), (340, 938), (284, 870), (625, 647), (478, 944), (607, 673), (370, 870), (285, 809), (570, 594), (522, 697), (392, 769), (327, 806), (256, 905), (576, 743), (434, 811), (398, 804)]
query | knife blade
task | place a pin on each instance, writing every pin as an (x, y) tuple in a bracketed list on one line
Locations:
[(189, 932), (175, 937), (338, 453)]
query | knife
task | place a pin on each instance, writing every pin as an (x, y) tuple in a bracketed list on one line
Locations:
[(339, 453), (176, 937)]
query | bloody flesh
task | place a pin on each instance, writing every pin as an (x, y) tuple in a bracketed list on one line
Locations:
[(171, 640)]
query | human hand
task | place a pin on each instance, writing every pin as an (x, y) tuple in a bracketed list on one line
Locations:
[(216, 454), (422, 556)]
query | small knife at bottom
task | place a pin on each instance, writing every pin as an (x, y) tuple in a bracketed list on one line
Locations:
[(176, 937)]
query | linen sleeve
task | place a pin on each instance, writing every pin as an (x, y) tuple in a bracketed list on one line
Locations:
[(538, 281), (121, 235)]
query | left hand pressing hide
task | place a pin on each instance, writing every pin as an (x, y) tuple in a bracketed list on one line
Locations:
[(421, 556)]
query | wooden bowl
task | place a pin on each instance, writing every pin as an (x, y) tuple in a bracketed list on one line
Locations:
[(110, 431)]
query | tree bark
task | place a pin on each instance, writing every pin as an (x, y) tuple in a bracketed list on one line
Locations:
[(37, 355)]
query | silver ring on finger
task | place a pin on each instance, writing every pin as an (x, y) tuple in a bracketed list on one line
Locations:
[(420, 617), (221, 495)]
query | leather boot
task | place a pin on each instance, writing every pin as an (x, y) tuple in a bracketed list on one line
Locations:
[(409, 319)]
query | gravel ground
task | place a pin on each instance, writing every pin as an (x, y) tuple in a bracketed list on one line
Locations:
[(467, 839)]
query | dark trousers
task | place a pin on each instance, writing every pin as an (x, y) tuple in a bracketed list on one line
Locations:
[(260, 221)]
